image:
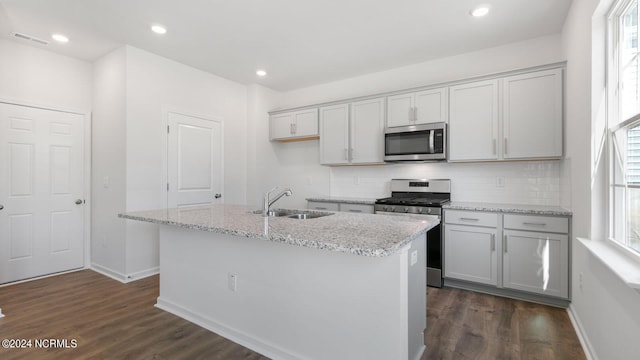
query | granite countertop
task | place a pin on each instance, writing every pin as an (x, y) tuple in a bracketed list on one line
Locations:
[(358, 234), (342, 199), (509, 208)]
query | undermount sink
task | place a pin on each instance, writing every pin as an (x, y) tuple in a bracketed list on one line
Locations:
[(294, 214)]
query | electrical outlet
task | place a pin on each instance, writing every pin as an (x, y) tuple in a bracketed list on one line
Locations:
[(105, 182), (103, 241), (499, 181), (356, 180), (580, 283), (414, 257), (232, 280)]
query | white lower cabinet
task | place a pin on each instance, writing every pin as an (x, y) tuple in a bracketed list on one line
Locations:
[(526, 253), (470, 254), (536, 262), (536, 254)]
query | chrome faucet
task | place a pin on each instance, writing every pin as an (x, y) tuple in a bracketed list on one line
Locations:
[(267, 199)]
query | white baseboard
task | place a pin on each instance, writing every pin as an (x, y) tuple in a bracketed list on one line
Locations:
[(246, 340), (122, 277), (582, 335), (1, 315), (143, 274), (109, 273)]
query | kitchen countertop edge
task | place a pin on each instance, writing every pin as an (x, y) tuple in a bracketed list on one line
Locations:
[(509, 208)]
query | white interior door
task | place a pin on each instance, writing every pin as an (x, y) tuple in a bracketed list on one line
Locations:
[(195, 162), (41, 178)]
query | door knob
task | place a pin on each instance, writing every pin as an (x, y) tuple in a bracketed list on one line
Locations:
[(1, 207), (78, 202), (217, 196)]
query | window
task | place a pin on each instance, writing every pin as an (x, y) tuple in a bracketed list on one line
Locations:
[(624, 124)]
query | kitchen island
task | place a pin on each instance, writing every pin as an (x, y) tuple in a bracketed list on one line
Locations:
[(342, 286)]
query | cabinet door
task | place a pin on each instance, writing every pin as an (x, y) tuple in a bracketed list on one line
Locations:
[(431, 106), (334, 134), (532, 115), (400, 110), (470, 254), (367, 131), (536, 262), (306, 123), (280, 126), (473, 121)]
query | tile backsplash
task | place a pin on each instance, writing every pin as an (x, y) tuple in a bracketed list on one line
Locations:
[(525, 182)]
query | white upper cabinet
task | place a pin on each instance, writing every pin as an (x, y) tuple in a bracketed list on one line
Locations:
[(334, 134), (423, 107), (509, 118), (532, 111), (473, 121), (367, 131), (352, 133), (295, 125)]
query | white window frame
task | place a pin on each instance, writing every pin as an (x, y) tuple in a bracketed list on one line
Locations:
[(613, 112)]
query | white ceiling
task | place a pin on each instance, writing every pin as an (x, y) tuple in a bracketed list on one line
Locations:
[(299, 42)]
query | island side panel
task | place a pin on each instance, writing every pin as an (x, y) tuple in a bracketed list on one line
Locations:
[(417, 297), (290, 302)]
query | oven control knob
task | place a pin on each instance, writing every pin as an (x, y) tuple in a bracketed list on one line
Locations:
[(420, 210), (406, 209), (429, 210)]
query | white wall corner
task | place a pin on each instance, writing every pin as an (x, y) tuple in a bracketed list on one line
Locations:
[(589, 352)]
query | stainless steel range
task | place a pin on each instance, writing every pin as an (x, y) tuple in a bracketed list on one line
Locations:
[(420, 198)]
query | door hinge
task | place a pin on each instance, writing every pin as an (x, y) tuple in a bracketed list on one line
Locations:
[(167, 186), (167, 129)]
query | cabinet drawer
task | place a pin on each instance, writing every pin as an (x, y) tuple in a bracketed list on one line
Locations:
[(537, 223), (475, 218), (357, 208), (320, 205)]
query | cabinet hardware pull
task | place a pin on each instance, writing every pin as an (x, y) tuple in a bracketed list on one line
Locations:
[(411, 114), (346, 156), (320, 208), (505, 244), (495, 146), (493, 242), (351, 154), (505, 145), (355, 210), (469, 219), (534, 224), (415, 114)]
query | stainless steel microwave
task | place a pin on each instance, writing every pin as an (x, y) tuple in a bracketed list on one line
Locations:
[(424, 142)]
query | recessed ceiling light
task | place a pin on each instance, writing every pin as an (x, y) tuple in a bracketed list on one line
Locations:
[(158, 29), (480, 11), (60, 38), (261, 73)]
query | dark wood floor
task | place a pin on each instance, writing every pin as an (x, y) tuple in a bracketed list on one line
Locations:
[(110, 320)]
